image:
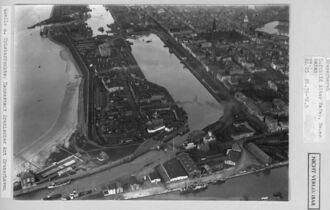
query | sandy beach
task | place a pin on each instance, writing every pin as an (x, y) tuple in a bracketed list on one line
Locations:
[(64, 126), (47, 91)]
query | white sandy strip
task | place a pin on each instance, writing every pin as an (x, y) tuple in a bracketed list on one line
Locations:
[(60, 132)]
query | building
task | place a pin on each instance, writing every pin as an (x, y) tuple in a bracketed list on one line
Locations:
[(196, 136), (241, 130), (249, 104), (232, 157), (260, 155), (53, 169), (236, 147), (119, 188), (281, 106), (236, 70), (154, 177), (188, 164), (205, 147), (112, 189), (162, 172), (209, 137), (171, 171), (272, 85), (272, 124), (284, 125), (189, 146), (28, 179)]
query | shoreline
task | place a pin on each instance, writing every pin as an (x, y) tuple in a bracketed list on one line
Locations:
[(64, 125), (146, 194)]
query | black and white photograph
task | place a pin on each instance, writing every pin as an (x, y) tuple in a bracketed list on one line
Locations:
[(151, 102)]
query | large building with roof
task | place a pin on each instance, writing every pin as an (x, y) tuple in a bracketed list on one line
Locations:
[(260, 155), (178, 168), (171, 171), (188, 164), (56, 168)]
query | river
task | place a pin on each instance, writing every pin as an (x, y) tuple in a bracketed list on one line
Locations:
[(46, 89), (40, 79)]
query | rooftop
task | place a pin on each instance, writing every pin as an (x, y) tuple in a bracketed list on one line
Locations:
[(187, 163), (174, 168)]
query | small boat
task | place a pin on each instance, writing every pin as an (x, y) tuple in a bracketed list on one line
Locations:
[(148, 41), (58, 184)]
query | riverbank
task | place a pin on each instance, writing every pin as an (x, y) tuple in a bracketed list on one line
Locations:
[(148, 193), (65, 123)]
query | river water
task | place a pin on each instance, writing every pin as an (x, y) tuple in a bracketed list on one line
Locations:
[(43, 70), (249, 187), (272, 28), (40, 77), (99, 18), (163, 68)]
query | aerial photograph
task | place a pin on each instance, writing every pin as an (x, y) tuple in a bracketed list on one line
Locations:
[(151, 102)]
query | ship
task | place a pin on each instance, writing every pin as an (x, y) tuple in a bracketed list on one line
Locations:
[(193, 188), (58, 184)]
